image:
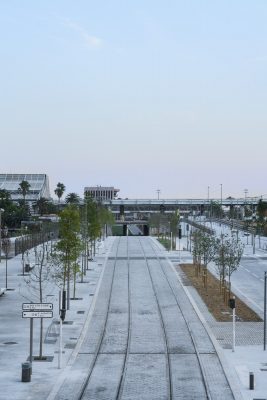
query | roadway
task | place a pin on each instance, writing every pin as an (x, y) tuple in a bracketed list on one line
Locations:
[(145, 340), (248, 280)]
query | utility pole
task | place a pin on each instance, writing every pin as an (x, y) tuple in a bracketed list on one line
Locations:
[(158, 191)]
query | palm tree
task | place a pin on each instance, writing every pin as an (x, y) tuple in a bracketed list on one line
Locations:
[(42, 205), (73, 198), (60, 189), (24, 188)]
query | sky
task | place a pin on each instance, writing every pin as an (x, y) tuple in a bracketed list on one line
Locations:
[(141, 95)]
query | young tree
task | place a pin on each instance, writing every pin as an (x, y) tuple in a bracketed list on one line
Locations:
[(174, 221), (220, 258), (60, 189), (216, 209), (38, 285), (68, 248), (235, 252), (204, 250), (227, 258), (6, 247), (154, 222), (208, 249), (106, 218), (93, 223), (197, 250)]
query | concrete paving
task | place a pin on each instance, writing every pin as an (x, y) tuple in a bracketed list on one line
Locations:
[(145, 340), (148, 345)]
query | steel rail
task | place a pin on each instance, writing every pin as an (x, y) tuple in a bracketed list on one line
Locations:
[(124, 368), (170, 388), (97, 352), (205, 380)]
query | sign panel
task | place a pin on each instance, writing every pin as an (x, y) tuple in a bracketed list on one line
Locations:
[(37, 314), (37, 306)]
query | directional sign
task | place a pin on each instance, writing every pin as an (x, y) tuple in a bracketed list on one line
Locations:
[(37, 314), (37, 306)]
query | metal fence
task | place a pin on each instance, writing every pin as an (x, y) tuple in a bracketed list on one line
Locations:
[(27, 242)]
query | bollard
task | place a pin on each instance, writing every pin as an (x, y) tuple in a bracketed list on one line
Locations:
[(26, 372), (251, 381)]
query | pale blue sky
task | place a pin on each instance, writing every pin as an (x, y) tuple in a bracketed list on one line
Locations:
[(137, 94)]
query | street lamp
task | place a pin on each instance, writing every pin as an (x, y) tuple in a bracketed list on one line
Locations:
[(221, 201), (1, 210)]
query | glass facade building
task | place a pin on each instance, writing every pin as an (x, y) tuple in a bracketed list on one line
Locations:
[(39, 186)]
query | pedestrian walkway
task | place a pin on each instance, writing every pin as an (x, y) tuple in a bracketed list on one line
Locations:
[(14, 331)]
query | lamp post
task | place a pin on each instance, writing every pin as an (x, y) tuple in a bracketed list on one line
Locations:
[(209, 201), (245, 204), (221, 201), (264, 320), (1, 210)]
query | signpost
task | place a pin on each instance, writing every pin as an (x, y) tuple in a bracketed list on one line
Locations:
[(232, 306), (37, 306), (36, 310), (37, 314)]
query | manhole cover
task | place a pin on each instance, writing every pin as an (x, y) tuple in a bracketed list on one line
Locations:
[(43, 359), (9, 343), (70, 345), (80, 312)]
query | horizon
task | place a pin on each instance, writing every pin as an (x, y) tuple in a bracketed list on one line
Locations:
[(143, 96)]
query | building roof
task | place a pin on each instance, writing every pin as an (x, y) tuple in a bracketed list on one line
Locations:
[(39, 185)]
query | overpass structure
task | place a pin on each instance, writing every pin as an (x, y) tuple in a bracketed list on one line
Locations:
[(183, 202), (127, 206)]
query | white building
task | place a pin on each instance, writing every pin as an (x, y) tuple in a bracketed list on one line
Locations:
[(101, 193)]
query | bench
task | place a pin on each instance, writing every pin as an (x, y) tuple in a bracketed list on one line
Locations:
[(2, 291)]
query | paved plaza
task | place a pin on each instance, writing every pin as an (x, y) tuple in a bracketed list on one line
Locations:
[(137, 331)]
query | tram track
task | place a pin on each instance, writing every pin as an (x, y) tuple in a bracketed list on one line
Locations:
[(208, 390), (81, 395), (123, 374), (100, 350), (168, 366), (140, 344)]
